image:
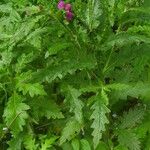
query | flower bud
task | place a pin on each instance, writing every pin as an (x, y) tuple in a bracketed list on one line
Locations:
[(68, 7), (61, 4), (69, 15)]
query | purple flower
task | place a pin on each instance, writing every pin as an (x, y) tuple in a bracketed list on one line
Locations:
[(69, 15), (61, 4), (68, 7)]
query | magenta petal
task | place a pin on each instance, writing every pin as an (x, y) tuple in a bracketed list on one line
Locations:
[(69, 15), (61, 4), (68, 7)]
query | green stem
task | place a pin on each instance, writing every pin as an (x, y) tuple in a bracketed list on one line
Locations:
[(108, 61), (70, 31)]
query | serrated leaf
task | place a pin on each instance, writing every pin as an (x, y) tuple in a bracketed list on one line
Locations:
[(85, 145), (71, 129), (29, 142), (15, 142), (76, 104), (32, 88), (23, 60), (135, 90), (120, 147), (48, 142), (123, 39), (147, 143), (55, 48), (6, 58), (118, 86), (132, 117), (99, 118), (24, 29), (103, 146), (5, 8), (129, 140), (93, 14), (75, 144), (44, 106), (62, 69), (31, 10), (15, 113)]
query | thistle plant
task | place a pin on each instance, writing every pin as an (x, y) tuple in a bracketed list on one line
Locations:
[(74, 75)]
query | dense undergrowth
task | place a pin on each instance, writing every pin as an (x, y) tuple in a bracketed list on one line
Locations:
[(81, 84)]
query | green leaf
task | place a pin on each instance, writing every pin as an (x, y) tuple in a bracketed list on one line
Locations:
[(52, 72), (31, 10), (93, 14), (5, 8), (71, 129), (129, 140), (76, 104), (147, 143), (25, 28), (6, 58), (29, 142), (85, 145), (118, 86), (55, 48), (44, 106), (15, 143), (123, 39), (23, 60), (135, 90), (99, 117), (48, 143), (32, 88), (15, 113), (120, 147), (66, 146), (140, 29), (135, 14), (144, 128), (75, 144), (103, 146), (132, 117)]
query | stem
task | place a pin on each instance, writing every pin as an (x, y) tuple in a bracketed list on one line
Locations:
[(108, 61), (70, 31)]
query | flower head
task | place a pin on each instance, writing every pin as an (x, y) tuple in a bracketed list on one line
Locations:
[(68, 7), (61, 4), (69, 15)]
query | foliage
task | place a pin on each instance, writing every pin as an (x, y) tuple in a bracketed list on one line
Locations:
[(82, 84)]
